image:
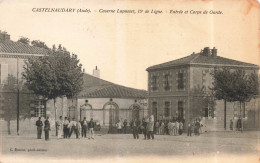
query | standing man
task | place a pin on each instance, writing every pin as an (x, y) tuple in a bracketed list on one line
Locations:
[(65, 128), (239, 124), (78, 129), (125, 126), (231, 124), (177, 125), (134, 126), (59, 124), (39, 128), (119, 127), (144, 126), (180, 127), (84, 127), (150, 127), (189, 129), (91, 128), (72, 126), (47, 128), (157, 127), (197, 126)]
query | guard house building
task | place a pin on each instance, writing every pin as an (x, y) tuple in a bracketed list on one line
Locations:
[(173, 88), (107, 103)]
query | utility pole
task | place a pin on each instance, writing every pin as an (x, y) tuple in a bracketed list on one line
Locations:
[(18, 97)]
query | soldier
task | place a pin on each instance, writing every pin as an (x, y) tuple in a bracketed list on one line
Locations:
[(47, 128), (39, 128), (84, 127)]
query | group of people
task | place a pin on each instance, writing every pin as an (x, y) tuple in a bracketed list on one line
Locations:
[(67, 127), (173, 127), (194, 127), (147, 128), (47, 128), (239, 124)]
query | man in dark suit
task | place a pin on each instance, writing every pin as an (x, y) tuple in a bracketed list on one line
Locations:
[(125, 126), (47, 128), (144, 128), (39, 128), (135, 127)]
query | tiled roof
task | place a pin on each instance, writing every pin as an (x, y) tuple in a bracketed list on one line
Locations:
[(20, 48), (98, 88), (201, 59)]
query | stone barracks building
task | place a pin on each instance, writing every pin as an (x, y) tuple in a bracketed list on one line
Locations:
[(173, 87), (101, 100)]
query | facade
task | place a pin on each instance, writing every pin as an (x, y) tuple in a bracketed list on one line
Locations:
[(174, 87), (12, 59), (107, 103), (101, 100)]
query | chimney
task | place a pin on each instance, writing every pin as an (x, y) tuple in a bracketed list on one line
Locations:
[(206, 51), (96, 72), (83, 70), (214, 52)]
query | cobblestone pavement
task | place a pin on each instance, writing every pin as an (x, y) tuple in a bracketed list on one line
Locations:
[(210, 144)]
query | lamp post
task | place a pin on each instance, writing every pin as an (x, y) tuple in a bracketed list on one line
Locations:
[(19, 86)]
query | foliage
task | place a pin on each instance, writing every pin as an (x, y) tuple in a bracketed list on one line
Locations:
[(40, 44), (200, 100), (54, 75), (9, 94), (3, 35), (234, 86), (24, 40)]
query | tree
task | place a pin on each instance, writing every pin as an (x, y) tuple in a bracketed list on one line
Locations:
[(4, 36), (234, 86), (54, 75), (9, 94), (245, 88), (24, 40), (40, 44), (222, 87), (200, 99)]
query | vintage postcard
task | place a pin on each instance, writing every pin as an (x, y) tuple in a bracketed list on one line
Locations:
[(129, 81)]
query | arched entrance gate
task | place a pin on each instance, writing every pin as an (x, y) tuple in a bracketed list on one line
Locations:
[(113, 115)]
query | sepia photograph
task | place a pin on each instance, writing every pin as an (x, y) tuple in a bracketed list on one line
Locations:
[(129, 81)]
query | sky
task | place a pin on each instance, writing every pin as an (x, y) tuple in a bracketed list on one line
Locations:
[(122, 46)]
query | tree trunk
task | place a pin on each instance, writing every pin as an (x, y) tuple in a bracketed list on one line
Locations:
[(241, 116), (225, 114), (8, 127), (56, 133)]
